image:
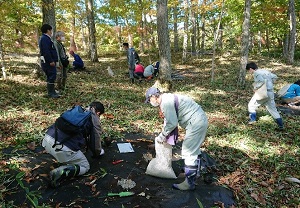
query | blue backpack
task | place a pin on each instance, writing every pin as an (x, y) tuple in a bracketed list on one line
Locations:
[(72, 122)]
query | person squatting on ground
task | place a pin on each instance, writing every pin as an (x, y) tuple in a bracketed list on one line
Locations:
[(139, 71), (149, 71), (49, 59), (260, 75), (292, 95), (69, 153), (192, 118), (132, 59), (62, 59), (77, 63)]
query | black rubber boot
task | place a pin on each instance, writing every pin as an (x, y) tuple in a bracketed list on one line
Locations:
[(279, 122), (51, 91), (190, 178), (62, 173)]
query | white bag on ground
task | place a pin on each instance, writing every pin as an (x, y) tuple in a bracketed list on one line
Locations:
[(161, 165)]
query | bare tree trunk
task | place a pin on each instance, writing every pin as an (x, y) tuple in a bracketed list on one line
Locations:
[(216, 37), (285, 46), (2, 56), (267, 40), (292, 34), (163, 45), (186, 28), (49, 14), (245, 44), (203, 29), (72, 35), (198, 34), (92, 30), (259, 42), (83, 38), (194, 31), (175, 17)]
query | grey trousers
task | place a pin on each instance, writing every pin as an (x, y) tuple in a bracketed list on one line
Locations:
[(66, 156)]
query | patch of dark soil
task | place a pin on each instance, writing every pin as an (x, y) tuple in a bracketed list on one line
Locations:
[(91, 189)]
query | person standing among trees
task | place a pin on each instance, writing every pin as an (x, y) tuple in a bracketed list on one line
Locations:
[(132, 59), (182, 110), (63, 60), (49, 59), (260, 77)]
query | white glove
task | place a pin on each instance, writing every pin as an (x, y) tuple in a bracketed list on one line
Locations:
[(160, 138)]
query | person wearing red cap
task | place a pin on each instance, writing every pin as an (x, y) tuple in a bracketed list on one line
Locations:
[(183, 111)]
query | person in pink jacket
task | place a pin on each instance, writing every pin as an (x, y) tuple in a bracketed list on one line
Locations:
[(139, 71)]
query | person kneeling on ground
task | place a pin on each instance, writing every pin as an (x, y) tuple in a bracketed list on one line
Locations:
[(139, 71), (69, 153), (77, 63), (292, 95), (182, 110)]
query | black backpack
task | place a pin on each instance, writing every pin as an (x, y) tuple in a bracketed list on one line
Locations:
[(72, 122)]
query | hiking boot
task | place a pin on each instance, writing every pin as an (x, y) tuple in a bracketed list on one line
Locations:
[(190, 178), (252, 118), (62, 173)]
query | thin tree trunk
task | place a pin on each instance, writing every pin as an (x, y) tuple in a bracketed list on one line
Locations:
[(292, 34), (72, 35), (186, 28), (175, 17), (285, 46), (163, 45), (2, 56), (245, 44), (83, 39), (202, 46), (259, 42), (92, 30), (194, 31), (216, 37), (267, 40)]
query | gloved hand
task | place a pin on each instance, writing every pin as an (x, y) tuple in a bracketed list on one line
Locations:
[(160, 138)]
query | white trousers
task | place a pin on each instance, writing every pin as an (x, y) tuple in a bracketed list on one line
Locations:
[(66, 155), (269, 103), (194, 137)]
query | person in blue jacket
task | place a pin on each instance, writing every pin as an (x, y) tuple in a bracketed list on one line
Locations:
[(292, 96), (49, 59), (77, 63)]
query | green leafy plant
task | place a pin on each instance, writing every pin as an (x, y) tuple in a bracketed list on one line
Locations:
[(32, 196)]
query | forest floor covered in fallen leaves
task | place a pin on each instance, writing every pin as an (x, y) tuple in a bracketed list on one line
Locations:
[(255, 163)]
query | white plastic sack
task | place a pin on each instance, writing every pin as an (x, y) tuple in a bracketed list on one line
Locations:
[(161, 165), (261, 93)]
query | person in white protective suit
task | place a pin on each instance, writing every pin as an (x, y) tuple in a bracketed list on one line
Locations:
[(184, 111), (260, 77)]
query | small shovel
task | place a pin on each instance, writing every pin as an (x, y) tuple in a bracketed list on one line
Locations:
[(121, 194)]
